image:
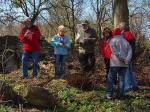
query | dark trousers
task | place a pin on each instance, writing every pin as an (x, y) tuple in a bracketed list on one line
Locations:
[(107, 65), (87, 62), (60, 61)]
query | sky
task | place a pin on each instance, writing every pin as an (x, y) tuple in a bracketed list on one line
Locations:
[(88, 11)]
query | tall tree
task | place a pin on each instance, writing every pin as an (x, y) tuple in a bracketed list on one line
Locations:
[(120, 11)]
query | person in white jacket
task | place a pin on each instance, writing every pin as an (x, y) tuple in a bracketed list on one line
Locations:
[(119, 62)]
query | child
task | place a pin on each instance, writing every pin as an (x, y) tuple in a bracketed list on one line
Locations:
[(61, 43)]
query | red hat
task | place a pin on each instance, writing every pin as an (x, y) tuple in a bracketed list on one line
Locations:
[(116, 31)]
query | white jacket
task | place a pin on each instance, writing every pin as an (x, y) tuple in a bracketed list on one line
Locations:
[(121, 50)]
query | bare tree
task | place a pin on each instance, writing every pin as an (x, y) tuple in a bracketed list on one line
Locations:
[(31, 8), (68, 13), (102, 11)]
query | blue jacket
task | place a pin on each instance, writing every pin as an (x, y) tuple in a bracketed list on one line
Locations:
[(59, 50)]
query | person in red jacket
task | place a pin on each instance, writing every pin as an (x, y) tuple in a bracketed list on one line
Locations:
[(30, 36), (104, 47), (105, 50)]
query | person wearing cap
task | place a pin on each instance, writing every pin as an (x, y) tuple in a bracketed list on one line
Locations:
[(30, 36), (61, 44), (130, 81), (86, 40), (119, 62)]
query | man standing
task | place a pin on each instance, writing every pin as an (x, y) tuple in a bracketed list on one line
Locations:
[(119, 62), (87, 39), (30, 36)]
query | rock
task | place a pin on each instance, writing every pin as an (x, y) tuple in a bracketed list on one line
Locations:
[(11, 64), (39, 96), (7, 93), (10, 48)]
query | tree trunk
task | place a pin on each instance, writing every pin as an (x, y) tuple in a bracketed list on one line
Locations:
[(73, 21), (120, 11)]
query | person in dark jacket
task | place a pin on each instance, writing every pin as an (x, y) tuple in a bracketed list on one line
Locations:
[(87, 39), (30, 36), (130, 81)]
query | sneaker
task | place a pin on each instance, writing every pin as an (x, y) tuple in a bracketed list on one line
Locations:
[(24, 77), (109, 97), (56, 77), (34, 78)]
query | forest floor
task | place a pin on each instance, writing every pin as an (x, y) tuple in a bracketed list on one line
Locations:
[(76, 93), (72, 96)]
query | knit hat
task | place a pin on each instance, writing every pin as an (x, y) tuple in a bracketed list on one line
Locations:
[(116, 31)]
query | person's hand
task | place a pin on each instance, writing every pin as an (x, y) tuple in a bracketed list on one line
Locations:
[(62, 45), (126, 61), (76, 45), (26, 34), (85, 40)]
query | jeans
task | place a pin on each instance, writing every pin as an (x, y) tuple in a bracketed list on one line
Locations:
[(107, 64), (110, 82), (87, 62), (130, 82), (60, 64), (25, 59)]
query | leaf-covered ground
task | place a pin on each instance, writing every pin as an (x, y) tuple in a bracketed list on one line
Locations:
[(72, 99), (74, 96)]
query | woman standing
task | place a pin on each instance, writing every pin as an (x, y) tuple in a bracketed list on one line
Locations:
[(61, 43), (104, 47)]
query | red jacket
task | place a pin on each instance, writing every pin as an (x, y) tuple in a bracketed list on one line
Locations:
[(32, 43), (129, 35), (104, 48)]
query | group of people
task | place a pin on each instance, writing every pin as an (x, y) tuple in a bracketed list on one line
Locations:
[(117, 47)]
